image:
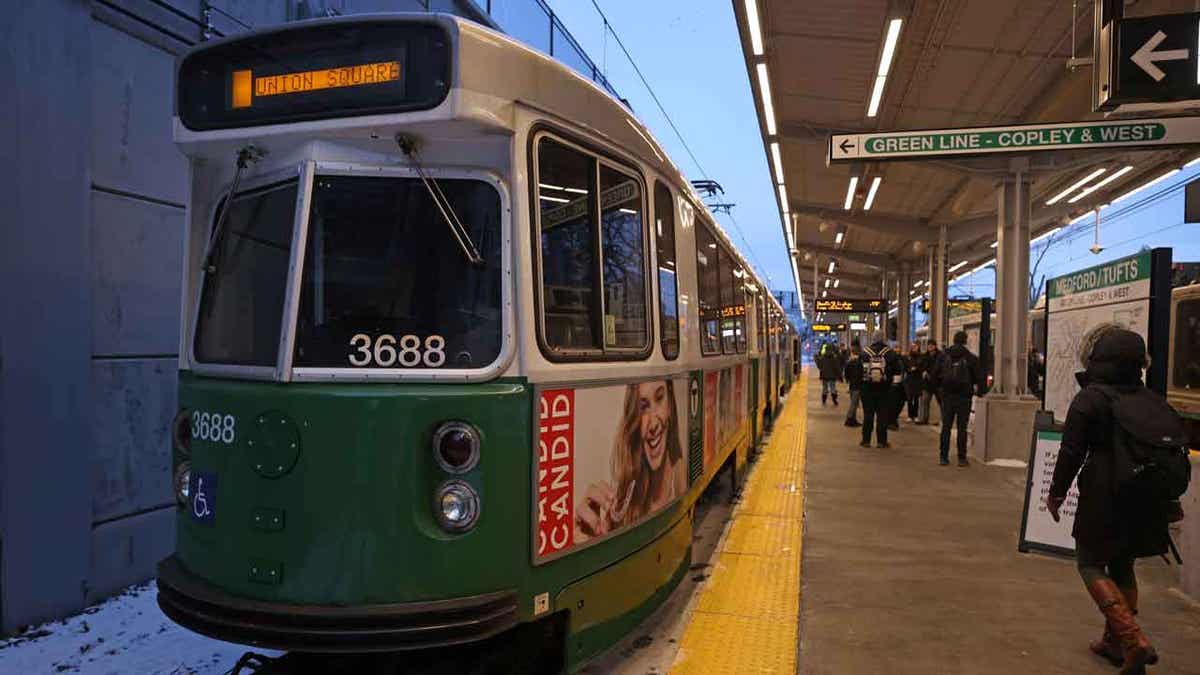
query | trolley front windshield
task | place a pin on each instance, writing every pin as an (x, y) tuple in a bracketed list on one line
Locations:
[(384, 284)]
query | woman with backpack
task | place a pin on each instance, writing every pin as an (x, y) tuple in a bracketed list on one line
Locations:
[(1113, 427)]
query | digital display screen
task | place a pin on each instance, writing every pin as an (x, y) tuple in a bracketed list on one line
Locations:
[(828, 327), (337, 69), (850, 305), (246, 87)]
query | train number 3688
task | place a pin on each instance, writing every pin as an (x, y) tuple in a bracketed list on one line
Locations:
[(213, 427), (386, 351)]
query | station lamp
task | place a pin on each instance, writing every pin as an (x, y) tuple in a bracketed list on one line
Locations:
[(1075, 186), (1112, 177), (891, 39), (871, 192)]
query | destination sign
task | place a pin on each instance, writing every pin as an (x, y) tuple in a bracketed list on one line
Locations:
[(1020, 138), (850, 305), (828, 327), (246, 87)]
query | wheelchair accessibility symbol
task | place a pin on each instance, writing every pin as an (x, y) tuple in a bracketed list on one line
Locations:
[(204, 497)]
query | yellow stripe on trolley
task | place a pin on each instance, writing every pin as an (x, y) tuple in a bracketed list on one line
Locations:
[(747, 618)]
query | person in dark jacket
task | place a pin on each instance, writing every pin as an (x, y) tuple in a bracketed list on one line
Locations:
[(881, 372), (829, 368), (896, 396), (929, 390), (914, 380), (1108, 536), (958, 377), (1036, 372), (852, 372)]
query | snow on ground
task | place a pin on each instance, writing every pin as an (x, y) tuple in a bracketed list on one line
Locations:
[(124, 635)]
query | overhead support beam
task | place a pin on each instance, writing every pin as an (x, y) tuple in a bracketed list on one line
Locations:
[(898, 226), (869, 259)]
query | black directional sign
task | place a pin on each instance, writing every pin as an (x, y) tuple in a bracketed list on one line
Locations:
[(1152, 59), (863, 305)]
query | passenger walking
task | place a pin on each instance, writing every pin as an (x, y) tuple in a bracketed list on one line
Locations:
[(881, 370), (958, 377), (1113, 426), (929, 390), (853, 374), (829, 368), (914, 380)]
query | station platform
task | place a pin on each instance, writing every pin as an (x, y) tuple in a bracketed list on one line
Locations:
[(912, 567)]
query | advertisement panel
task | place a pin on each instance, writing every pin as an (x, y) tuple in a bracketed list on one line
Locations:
[(608, 458), (1038, 529)]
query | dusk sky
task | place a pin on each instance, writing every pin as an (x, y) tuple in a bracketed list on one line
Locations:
[(691, 55)]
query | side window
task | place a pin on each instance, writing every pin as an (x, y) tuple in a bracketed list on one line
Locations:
[(1186, 349), (761, 333), (625, 316), (566, 187), (668, 283), (730, 283), (739, 307), (593, 255), (709, 275)]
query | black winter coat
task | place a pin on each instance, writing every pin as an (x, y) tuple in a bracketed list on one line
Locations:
[(914, 379), (930, 360), (1103, 529), (943, 364), (853, 372), (829, 365)]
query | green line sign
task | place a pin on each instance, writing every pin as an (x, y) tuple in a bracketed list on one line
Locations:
[(1018, 138)]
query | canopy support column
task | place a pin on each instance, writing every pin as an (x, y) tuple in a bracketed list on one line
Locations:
[(903, 306), (938, 320)]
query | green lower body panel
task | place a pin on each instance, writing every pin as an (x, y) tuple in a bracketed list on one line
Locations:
[(605, 606)]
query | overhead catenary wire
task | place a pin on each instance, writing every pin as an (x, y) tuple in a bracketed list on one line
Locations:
[(617, 38)]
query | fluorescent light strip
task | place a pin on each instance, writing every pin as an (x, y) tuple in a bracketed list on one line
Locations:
[(783, 200), (984, 266), (871, 192), (832, 266), (756, 44), (1192, 163), (764, 91), (551, 187), (919, 284), (1044, 235), (1152, 183), (837, 282), (850, 192), (828, 282), (1075, 186), (885, 64), (560, 200), (576, 191), (1099, 185), (837, 238), (776, 158), (994, 244), (958, 266)]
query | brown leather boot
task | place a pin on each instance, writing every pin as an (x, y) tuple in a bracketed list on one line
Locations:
[(1108, 648), (1136, 646)]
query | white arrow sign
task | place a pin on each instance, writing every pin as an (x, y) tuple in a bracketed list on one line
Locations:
[(1146, 57)]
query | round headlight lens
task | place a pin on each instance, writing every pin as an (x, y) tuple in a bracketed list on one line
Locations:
[(456, 506), (183, 480), (456, 447), (181, 431)]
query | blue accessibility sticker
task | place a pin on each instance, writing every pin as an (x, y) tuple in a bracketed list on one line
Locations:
[(203, 502)]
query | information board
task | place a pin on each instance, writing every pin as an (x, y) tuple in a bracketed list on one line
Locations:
[(861, 305), (1039, 531), (1115, 292)]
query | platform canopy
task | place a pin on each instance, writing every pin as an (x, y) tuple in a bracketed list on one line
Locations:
[(955, 63)]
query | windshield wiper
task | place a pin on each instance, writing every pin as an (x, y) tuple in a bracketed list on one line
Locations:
[(408, 145), (245, 155)]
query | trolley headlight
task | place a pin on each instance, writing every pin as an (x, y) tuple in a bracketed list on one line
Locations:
[(456, 506), (183, 480), (456, 447), (181, 431)]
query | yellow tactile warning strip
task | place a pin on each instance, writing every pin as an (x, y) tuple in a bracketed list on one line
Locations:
[(747, 618)]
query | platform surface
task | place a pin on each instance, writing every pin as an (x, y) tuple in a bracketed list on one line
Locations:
[(912, 567)]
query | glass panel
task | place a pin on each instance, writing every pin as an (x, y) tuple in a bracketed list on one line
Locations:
[(386, 284), (241, 304), (524, 20), (708, 271), (1186, 350), (729, 284), (625, 322), (566, 181), (566, 51), (668, 286), (739, 307)]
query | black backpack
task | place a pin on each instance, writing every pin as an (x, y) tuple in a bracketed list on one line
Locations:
[(956, 375), (1150, 456)]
